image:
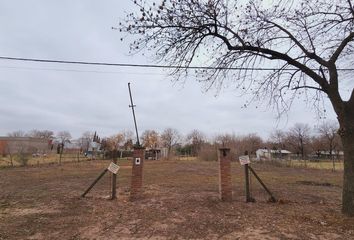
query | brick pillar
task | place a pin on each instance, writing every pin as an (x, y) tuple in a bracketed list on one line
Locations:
[(225, 186), (137, 173)]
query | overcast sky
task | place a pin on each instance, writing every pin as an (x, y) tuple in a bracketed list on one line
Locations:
[(88, 98)]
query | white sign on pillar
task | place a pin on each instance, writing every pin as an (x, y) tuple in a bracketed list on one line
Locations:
[(137, 161)]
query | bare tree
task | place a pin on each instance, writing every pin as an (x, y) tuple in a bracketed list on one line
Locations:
[(277, 138), (18, 133), (305, 41), (18, 148), (226, 140), (250, 143), (299, 138), (63, 137), (253, 142), (328, 131), (128, 139), (317, 145), (85, 140), (170, 138), (41, 134), (196, 138)]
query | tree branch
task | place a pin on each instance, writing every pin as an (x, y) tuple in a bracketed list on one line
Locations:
[(292, 37), (351, 7), (341, 47), (277, 55), (310, 87)]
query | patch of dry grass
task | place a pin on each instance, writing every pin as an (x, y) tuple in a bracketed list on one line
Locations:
[(181, 201)]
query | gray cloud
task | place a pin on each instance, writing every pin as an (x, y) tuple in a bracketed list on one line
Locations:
[(81, 98)]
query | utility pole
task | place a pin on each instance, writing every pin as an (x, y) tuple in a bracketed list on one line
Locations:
[(132, 106)]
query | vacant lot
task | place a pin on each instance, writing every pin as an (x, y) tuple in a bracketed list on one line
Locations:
[(180, 202), (40, 160)]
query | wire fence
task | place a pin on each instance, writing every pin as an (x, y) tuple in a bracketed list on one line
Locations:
[(42, 159)]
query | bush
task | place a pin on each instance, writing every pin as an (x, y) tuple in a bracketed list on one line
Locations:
[(22, 159), (208, 154)]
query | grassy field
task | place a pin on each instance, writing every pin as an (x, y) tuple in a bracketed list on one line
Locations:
[(180, 201), (49, 159), (73, 157), (324, 164)]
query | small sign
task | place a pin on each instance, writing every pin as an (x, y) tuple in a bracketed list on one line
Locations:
[(244, 160), (113, 168), (137, 161)]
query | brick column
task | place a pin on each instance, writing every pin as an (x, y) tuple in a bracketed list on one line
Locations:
[(137, 173), (225, 186)]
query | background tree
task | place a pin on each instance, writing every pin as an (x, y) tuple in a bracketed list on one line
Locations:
[(277, 139), (115, 142), (318, 145), (306, 41), (196, 139), (150, 139), (328, 131), (128, 139), (85, 140), (170, 137), (18, 148), (63, 137), (18, 133), (225, 140), (252, 142), (118, 142), (47, 134), (299, 138)]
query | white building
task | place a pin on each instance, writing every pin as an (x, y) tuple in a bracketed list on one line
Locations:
[(267, 154)]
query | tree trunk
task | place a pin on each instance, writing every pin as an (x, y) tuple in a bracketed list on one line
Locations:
[(169, 152), (346, 131), (345, 115), (348, 179), (333, 164), (12, 162)]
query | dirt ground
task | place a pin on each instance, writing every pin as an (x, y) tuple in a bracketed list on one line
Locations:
[(180, 201)]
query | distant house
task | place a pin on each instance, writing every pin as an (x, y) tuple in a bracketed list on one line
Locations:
[(28, 145), (94, 146), (93, 149), (156, 153), (268, 154), (327, 154), (72, 146)]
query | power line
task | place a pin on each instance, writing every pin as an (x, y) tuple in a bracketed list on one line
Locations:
[(124, 64), (80, 71), (147, 65)]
